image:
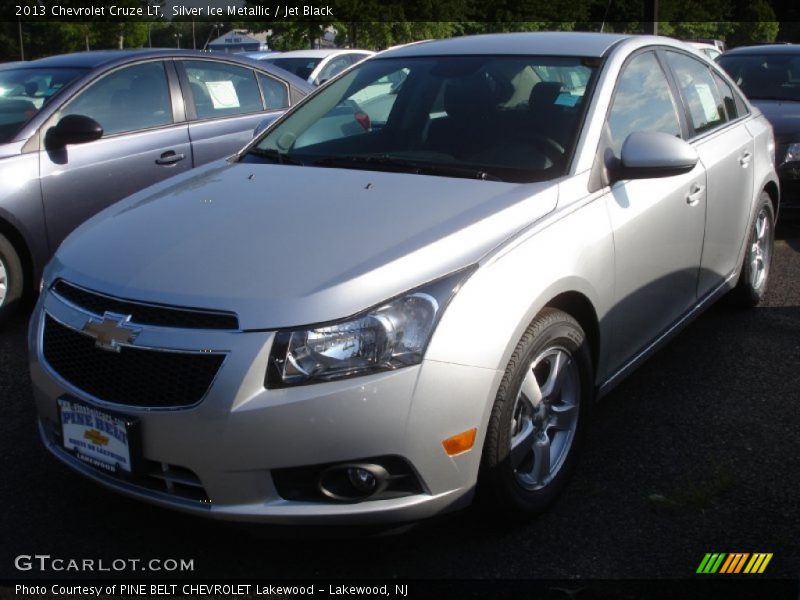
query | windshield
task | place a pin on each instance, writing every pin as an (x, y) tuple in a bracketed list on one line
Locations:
[(765, 76), (302, 67), (23, 93), (489, 117)]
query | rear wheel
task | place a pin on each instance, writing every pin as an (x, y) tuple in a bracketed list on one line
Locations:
[(538, 416), (11, 282), (754, 275)]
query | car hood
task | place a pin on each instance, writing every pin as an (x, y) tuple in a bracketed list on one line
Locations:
[(284, 245), (784, 116)]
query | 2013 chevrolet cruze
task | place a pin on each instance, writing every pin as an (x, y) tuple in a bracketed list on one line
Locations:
[(411, 287)]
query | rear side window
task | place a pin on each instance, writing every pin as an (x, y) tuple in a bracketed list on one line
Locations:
[(642, 102), (129, 99), (728, 97), (221, 89), (706, 110), (276, 94)]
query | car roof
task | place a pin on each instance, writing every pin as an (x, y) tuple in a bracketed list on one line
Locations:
[(556, 43), (100, 58), (765, 49), (318, 53)]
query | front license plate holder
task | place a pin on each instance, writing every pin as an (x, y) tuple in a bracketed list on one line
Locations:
[(104, 439)]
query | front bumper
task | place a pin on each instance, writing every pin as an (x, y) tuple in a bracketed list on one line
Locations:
[(789, 178), (240, 432)]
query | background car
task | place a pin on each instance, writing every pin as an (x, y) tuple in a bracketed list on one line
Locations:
[(769, 75), (81, 131), (710, 50), (317, 66), (368, 326)]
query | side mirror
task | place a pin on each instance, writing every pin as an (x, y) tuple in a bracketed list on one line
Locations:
[(648, 154), (73, 129)]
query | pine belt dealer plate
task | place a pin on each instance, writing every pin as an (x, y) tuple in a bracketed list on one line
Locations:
[(102, 439)]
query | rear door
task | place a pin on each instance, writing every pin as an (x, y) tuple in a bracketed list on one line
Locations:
[(225, 103), (726, 150), (144, 141)]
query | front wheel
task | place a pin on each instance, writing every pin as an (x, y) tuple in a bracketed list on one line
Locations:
[(11, 284), (538, 417), (754, 275)]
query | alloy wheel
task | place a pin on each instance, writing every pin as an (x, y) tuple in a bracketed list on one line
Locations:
[(545, 418)]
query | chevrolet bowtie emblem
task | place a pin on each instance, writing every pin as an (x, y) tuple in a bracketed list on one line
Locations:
[(96, 437), (112, 331)]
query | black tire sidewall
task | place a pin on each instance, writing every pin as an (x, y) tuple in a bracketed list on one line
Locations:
[(14, 278), (744, 293), (551, 329)]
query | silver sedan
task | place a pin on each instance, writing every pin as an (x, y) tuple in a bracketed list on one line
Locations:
[(373, 318)]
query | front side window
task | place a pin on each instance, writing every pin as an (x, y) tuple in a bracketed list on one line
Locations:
[(24, 91), (221, 89), (642, 102), (129, 99), (699, 91), (493, 117)]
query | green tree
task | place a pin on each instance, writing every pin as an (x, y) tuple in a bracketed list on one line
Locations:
[(756, 22)]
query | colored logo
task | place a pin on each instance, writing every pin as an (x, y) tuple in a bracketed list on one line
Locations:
[(112, 331), (96, 437), (737, 562)]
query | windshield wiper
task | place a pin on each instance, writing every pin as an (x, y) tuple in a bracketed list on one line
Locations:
[(402, 165), (279, 157)]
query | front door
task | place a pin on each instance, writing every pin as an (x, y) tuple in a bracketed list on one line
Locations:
[(141, 145)]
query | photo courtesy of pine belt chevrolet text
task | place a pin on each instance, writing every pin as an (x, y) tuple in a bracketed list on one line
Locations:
[(408, 292)]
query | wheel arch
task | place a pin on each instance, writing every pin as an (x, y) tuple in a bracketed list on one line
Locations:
[(774, 195), (580, 308)]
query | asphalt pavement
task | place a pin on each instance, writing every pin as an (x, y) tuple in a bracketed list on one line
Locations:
[(696, 452)]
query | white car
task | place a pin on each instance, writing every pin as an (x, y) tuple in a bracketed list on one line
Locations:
[(317, 66), (710, 50)]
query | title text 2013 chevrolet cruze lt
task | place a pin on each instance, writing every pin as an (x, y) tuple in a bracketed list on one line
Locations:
[(412, 287)]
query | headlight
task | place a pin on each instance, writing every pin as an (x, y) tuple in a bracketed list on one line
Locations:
[(792, 153), (392, 335)]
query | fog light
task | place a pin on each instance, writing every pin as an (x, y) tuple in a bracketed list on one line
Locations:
[(362, 480), (353, 482)]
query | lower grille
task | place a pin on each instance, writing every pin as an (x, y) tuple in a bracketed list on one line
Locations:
[(132, 376), (154, 476)]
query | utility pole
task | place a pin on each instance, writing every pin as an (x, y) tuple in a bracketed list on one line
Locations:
[(21, 44), (651, 17)]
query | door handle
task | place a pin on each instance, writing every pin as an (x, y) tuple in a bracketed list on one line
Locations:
[(744, 160), (695, 193), (169, 158)]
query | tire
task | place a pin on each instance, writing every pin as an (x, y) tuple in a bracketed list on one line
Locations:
[(529, 422), (11, 280), (754, 274)]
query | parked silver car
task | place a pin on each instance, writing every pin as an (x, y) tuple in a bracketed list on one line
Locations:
[(371, 327), (81, 131)]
